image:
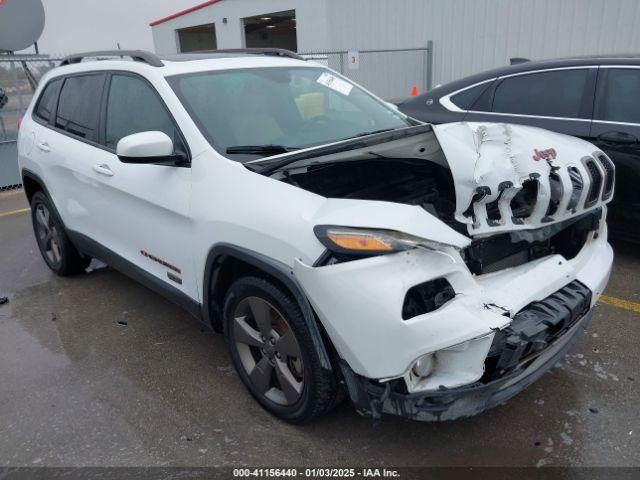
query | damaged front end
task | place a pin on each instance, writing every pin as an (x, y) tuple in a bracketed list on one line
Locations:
[(466, 261), (539, 336)]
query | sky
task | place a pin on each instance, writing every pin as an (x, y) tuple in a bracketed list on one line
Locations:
[(84, 25)]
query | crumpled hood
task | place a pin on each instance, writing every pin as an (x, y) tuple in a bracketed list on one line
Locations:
[(493, 161)]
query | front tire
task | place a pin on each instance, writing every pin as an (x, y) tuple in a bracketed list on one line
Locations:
[(57, 250), (272, 350)]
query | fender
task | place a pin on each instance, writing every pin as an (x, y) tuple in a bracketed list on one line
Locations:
[(212, 312)]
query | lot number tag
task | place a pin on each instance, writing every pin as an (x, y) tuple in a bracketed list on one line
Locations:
[(335, 83), (354, 59)]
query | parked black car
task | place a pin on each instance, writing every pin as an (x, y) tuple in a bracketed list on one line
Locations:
[(594, 98)]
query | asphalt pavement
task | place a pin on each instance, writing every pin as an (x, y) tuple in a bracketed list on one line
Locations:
[(96, 370)]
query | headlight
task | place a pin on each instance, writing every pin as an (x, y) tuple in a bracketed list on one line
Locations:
[(366, 241)]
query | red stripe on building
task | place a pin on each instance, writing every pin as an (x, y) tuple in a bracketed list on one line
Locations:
[(183, 12)]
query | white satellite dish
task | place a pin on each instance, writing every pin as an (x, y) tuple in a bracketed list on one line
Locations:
[(21, 23)]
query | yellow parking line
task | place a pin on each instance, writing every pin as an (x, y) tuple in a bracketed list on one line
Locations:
[(618, 302), (14, 212)]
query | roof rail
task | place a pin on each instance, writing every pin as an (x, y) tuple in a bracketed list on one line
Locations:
[(276, 52), (137, 55)]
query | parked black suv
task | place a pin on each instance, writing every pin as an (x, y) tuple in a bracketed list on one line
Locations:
[(594, 98)]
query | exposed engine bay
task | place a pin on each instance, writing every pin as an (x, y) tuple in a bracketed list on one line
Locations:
[(487, 182), (408, 181)]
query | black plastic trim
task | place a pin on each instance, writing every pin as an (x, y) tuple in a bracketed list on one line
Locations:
[(212, 312), (592, 195), (609, 175), (26, 173), (449, 404), (137, 55), (94, 249), (275, 52)]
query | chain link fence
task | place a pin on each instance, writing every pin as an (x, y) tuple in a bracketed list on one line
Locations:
[(19, 76), (389, 73)]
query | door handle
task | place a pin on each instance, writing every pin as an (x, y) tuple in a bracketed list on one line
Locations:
[(103, 169), (618, 137), (44, 146)]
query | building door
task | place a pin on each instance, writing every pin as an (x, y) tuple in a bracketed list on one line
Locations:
[(200, 38), (271, 30)]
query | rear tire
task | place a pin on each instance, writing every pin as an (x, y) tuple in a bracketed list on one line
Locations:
[(57, 250), (273, 352)]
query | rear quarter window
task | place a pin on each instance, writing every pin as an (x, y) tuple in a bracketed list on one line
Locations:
[(47, 101), (473, 98)]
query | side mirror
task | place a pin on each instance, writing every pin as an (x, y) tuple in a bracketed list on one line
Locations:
[(392, 105), (147, 147)]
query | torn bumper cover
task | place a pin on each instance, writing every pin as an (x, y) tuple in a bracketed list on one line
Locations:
[(540, 336)]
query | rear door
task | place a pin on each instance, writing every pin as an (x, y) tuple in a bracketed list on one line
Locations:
[(36, 148), (616, 130), (68, 147), (560, 100), (144, 209)]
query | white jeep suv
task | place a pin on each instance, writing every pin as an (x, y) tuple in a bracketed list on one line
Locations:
[(427, 271)]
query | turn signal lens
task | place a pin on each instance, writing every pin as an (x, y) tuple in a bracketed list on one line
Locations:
[(364, 242)]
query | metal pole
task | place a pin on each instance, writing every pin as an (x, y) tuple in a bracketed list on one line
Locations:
[(429, 65), (16, 83)]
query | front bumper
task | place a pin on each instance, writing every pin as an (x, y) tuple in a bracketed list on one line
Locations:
[(538, 338), (360, 304)]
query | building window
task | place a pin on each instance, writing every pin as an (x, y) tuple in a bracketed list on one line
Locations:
[(271, 30), (197, 39)]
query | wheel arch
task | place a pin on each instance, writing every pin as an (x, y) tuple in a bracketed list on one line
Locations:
[(226, 262), (32, 183)]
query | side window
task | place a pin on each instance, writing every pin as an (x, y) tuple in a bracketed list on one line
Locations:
[(551, 94), (617, 98), (47, 100), (79, 106), (466, 99), (133, 107)]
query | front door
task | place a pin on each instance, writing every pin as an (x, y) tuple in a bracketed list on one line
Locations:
[(145, 208), (616, 130)]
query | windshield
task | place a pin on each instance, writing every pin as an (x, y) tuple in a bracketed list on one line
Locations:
[(273, 110)]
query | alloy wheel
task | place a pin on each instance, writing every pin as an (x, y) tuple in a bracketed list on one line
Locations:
[(48, 235), (268, 350)]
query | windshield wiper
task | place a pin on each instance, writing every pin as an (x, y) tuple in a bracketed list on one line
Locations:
[(364, 134), (260, 149)]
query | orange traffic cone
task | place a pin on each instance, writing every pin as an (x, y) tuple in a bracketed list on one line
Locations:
[(414, 91)]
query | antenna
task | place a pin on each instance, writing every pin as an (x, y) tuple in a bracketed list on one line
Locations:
[(21, 23)]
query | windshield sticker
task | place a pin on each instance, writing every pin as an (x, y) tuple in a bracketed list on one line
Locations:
[(335, 83)]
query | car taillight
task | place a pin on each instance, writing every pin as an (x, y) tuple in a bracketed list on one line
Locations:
[(19, 122)]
